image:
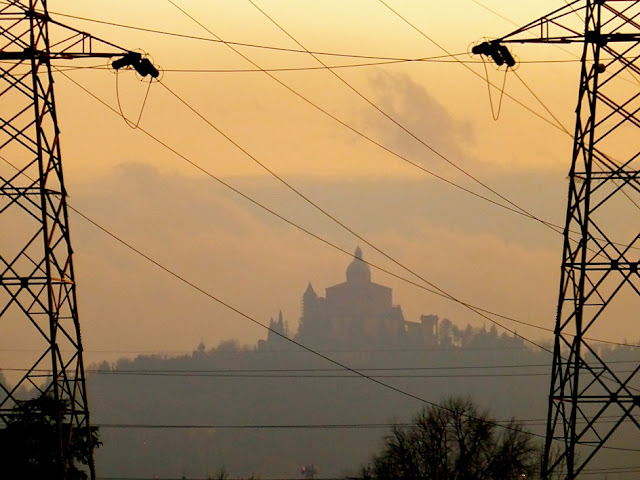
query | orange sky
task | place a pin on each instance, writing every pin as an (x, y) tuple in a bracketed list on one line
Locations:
[(238, 102), (128, 183)]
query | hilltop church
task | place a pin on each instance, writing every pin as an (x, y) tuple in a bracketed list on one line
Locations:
[(356, 313)]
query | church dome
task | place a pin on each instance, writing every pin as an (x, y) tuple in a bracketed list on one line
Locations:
[(358, 271)]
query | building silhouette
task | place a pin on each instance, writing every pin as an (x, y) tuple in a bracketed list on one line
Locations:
[(357, 313)]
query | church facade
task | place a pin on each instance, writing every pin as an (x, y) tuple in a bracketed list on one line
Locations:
[(360, 313)]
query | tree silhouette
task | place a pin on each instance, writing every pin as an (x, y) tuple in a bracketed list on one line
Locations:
[(30, 442), (455, 441)]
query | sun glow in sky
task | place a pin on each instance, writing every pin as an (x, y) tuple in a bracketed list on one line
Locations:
[(135, 187)]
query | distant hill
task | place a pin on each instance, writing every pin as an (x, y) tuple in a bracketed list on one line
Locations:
[(271, 409), (335, 411)]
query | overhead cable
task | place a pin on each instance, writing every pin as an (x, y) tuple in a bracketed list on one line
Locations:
[(434, 291)]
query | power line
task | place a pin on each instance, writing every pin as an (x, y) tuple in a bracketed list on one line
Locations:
[(555, 228), (357, 132), (311, 426), (597, 157), (328, 426), (495, 13), (239, 44), (333, 218), (352, 426), (448, 58), (299, 426), (584, 472), (423, 34), (508, 20), (294, 341), (257, 322), (514, 208), (303, 69), (479, 311), (261, 70), (324, 370), (209, 295), (600, 471), (241, 313), (192, 374), (314, 370), (521, 211), (209, 478), (247, 316), (437, 348), (435, 290), (558, 125), (548, 110), (333, 117), (300, 376), (351, 65), (148, 258), (283, 374), (402, 126), (315, 205)]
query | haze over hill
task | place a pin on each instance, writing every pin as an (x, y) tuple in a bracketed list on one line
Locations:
[(274, 407), (257, 168)]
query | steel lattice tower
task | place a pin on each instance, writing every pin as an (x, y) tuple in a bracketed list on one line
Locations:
[(37, 280), (600, 284)]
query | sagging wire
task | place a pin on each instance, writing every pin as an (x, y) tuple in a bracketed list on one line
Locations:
[(139, 62), (495, 115), (128, 122), (501, 56)]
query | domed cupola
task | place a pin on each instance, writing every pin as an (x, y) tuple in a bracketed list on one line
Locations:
[(358, 271)]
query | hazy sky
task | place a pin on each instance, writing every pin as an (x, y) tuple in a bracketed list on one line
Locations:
[(194, 225)]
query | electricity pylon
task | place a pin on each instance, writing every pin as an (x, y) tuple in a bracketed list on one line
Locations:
[(600, 284), (37, 283)]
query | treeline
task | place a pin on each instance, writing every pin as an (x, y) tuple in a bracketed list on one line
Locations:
[(270, 411)]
